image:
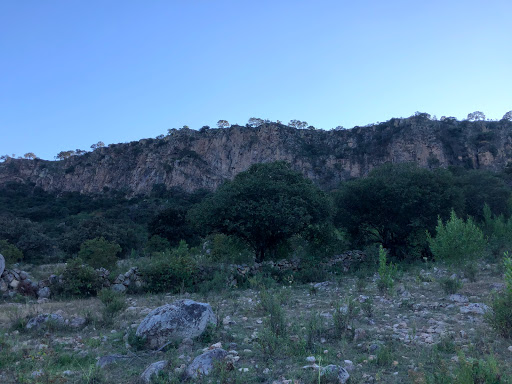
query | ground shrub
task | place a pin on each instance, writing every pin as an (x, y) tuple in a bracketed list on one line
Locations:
[(457, 241), (78, 280), (170, 271), (387, 272), (113, 303), (500, 316), (450, 285)]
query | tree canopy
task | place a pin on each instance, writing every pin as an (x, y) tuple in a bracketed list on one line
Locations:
[(264, 206)]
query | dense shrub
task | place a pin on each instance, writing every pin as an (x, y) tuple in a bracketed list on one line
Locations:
[(457, 241), (157, 244), (394, 206), (99, 253), (78, 280), (170, 271)]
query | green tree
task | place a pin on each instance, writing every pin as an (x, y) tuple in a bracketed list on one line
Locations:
[(394, 205), (99, 252), (255, 122), (264, 206), (507, 116), (222, 124)]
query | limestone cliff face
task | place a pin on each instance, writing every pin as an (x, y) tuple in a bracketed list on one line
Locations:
[(192, 159)]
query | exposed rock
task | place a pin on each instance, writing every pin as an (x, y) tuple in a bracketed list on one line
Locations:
[(152, 370), (206, 159), (458, 298), (77, 322), (43, 293), (182, 319), (110, 359), (118, 288), (203, 364), (476, 308), (2, 264), (335, 374), (41, 319)]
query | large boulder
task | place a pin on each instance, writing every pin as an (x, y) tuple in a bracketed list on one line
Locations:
[(2, 264), (175, 322), (203, 364)]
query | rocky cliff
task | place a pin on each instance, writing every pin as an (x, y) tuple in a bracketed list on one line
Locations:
[(204, 159)]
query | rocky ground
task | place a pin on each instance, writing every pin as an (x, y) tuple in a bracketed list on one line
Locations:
[(404, 335)]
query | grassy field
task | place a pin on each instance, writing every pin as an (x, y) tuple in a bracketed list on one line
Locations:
[(411, 333)]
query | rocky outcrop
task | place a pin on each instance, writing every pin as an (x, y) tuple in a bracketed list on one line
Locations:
[(175, 322), (204, 159)]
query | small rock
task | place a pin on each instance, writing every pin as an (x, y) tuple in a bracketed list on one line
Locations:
[(510, 348), (77, 322), (39, 320), (203, 364), (458, 298), (107, 360), (335, 372), (311, 359), (152, 370), (118, 288), (37, 374), (476, 308), (2, 265)]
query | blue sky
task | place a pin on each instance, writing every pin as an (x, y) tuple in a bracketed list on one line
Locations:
[(76, 72)]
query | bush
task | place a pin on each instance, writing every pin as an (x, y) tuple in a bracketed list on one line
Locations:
[(451, 286), (113, 303), (500, 317), (457, 241), (170, 271), (78, 280), (157, 244), (10, 252), (387, 272), (99, 253)]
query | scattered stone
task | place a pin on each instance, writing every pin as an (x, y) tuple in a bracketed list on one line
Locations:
[(177, 321), (37, 374), (510, 348), (152, 370), (476, 308), (458, 298), (203, 364), (311, 359), (39, 320)]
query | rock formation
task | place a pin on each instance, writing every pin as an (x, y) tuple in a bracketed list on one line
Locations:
[(204, 159)]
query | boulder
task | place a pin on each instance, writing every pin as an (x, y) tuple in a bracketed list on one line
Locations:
[(41, 319), (118, 288), (203, 364), (2, 264), (475, 308), (152, 370), (108, 360), (175, 322), (43, 293), (335, 374)]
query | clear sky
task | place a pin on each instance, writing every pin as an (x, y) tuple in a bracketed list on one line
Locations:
[(76, 72)]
